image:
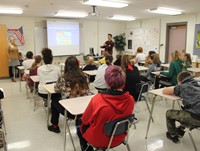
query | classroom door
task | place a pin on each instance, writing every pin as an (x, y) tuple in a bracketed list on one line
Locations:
[(3, 52), (176, 39)]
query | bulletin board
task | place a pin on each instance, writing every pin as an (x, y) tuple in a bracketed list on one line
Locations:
[(196, 46), (148, 38)]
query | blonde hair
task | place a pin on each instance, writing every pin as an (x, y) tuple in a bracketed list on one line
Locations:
[(176, 55), (38, 59), (90, 60)]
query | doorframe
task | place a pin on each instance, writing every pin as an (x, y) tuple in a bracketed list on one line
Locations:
[(168, 26)]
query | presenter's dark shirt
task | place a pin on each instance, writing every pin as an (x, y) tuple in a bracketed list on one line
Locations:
[(109, 46)]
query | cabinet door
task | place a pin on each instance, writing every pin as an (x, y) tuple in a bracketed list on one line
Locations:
[(3, 52)]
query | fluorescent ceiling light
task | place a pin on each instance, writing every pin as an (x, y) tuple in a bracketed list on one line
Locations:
[(62, 13), (4, 10), (120, 17), (105, 3), (166, 11)]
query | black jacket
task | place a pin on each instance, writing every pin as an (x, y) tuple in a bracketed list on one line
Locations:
[(1, 94), (132, 79)]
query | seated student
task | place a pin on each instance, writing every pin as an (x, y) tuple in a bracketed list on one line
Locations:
[(114, 101), (118, 60), (72, 83), (102, 60), (47, 73), (99, 82), (132, 76), (21, 59), (29, 60), (176, 66), (155, 66), (188, 61), (90, 66), (189, 90), (33, 71), (148, 59), (1, 94), (140, 56)]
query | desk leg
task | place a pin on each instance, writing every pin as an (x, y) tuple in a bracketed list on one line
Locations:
[(27, 87), (150, 116), (67, 128), (20, 80), (48, 107), (34, 91)]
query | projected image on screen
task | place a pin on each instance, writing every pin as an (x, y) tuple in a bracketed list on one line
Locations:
[(63, 37)]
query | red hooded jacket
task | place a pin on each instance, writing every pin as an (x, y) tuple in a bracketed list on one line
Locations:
[(106, 106)]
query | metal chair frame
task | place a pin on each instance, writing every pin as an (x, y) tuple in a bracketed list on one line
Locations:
[(114, 128)]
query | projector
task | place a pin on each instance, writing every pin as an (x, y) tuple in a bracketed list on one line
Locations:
[(94, 14)]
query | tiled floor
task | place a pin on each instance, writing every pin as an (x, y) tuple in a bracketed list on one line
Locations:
[(27, 130)]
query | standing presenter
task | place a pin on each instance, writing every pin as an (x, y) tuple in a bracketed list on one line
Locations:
[(109, 44), (13, 56)]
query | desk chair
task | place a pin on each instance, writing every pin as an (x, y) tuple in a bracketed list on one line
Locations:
[(190, 128), (163, 81), (115, 128), (2, 131), (143, 88)]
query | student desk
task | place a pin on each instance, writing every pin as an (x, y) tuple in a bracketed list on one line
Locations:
[(142, 68), (21, 68), (35, 79), (50, 89), (76, 106), (195, 71), (166, 65), (158, 92), (90, 72)]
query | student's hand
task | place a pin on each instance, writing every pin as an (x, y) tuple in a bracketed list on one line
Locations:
[(158, 74)]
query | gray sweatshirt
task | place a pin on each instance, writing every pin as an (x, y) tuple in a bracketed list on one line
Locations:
[(189, 91)]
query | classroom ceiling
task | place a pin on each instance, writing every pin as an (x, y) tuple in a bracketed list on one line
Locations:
[(136, 8)]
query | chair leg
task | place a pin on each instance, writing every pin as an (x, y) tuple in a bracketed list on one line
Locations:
[(190, 134), (128, 147), (4, 125), (3, 139)]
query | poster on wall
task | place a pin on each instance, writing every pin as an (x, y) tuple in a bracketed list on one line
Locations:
[(196, 46), (198, 40), (17, 34)]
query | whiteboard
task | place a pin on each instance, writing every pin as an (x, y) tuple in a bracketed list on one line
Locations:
[(40, 34), (148, 38)]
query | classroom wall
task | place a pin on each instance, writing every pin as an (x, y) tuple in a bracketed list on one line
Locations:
[(17, 22), (161, 22), (94, 32)]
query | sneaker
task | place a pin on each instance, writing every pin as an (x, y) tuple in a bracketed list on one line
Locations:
[(53, 129), (172, 138), (181, 132), (13, 80)]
